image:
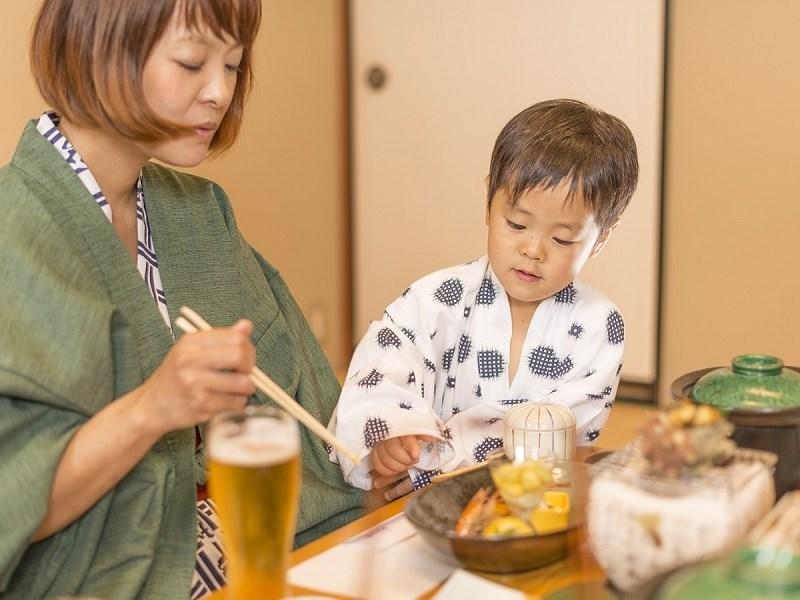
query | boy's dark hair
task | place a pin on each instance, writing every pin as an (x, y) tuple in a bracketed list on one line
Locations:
[(566, 139)]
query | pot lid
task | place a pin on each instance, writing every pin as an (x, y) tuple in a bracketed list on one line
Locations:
[(539, 417), (752, 382)]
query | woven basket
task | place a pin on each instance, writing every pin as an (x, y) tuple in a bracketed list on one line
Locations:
[(642, 526)]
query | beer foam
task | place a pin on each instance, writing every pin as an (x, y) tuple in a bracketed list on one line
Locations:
[(261, 444)]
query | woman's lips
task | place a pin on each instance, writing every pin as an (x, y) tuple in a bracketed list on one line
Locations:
[(525, 276), (205, 132)]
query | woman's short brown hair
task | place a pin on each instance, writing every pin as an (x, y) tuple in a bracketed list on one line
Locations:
[(87, 57)]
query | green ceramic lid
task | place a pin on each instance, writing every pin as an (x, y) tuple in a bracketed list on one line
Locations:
[(749, 574), (752, 382)]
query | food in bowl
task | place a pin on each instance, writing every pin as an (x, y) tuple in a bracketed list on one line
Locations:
[(435, 510), (519, 505), (522, 483)]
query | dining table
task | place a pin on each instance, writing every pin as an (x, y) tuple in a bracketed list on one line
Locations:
[(577, 568)]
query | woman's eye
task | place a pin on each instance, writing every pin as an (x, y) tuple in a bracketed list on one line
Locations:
[(234, 68), (561, 242), (190, 67), (515, 226)]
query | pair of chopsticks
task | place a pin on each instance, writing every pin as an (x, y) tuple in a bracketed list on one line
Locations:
[(499, 453), (191, 322)]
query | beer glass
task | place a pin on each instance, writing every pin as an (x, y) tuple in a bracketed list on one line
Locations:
[(254, 478)]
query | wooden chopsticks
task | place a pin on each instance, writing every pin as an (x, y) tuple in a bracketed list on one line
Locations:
[(190, 322), (469, 468)]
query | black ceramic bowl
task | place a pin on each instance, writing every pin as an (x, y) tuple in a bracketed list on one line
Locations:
[(435, 510)]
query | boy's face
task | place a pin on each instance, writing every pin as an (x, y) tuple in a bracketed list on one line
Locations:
[(537, 247)]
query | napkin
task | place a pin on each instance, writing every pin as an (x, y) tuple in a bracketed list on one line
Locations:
[(387, 562), (463, 584)]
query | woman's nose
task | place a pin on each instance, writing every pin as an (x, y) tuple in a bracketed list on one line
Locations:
[(219, 89)]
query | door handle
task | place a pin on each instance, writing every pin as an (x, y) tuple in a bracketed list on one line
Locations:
[(376, 77)]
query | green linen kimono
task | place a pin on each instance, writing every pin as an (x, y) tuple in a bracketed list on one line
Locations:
[(78, 329)]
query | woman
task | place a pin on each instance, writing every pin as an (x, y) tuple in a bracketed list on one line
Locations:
[(99, 249)]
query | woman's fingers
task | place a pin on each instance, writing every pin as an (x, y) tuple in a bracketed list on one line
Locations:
[(207, 349), (243, 326), (219, 382), (231, 356), (205, 373), (227, 402)]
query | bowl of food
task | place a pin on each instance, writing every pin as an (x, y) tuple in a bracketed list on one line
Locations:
[(466, 518)]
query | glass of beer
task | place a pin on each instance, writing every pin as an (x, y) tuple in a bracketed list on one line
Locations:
[(254, 479)]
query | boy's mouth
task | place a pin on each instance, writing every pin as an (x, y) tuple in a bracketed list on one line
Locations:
[(526, 276)]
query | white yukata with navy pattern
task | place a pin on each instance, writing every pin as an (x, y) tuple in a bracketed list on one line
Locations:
[(209, 572), (437, 365)]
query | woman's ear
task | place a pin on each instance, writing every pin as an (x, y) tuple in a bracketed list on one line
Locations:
[(603, 238)]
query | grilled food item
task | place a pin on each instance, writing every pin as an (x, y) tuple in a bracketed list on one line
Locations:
[(684, 438)]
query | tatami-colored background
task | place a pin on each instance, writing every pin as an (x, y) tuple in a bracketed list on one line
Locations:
[(731, 212)]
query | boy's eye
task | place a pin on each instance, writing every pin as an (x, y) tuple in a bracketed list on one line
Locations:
[(515, 226), (190, 67), (561, 242)]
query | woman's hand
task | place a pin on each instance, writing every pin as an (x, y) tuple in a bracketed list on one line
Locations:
[(205, 373)]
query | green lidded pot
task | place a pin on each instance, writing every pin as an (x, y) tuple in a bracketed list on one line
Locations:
[(753, 382), (761, 397)]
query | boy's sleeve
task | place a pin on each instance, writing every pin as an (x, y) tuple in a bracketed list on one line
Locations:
[(590, 392), (388, 390)]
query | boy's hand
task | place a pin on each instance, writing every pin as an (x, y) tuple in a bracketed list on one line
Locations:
[(397, 455)]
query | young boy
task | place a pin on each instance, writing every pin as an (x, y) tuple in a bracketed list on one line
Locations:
[(429, 384)]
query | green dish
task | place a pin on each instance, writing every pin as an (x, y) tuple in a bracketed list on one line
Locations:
[(748, 574), (753, 382)]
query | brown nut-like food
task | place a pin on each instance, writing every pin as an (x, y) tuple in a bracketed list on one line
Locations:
[(682, 414), (706, 415)]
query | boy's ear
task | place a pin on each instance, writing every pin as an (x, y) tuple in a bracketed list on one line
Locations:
[(603, 238), (488, 204)]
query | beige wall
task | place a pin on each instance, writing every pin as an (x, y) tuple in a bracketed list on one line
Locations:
[(286, 175), (19, 99), (732, 278)]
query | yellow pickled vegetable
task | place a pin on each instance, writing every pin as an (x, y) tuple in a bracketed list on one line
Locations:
[(507, 527), (516, 479), (557, 500), (552, 514)]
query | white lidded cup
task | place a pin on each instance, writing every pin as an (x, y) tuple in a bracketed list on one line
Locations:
[(530, 429)]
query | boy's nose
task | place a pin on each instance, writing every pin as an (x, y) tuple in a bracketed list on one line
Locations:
[(533, 249)]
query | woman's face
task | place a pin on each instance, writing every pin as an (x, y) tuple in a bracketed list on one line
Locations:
[(189, 78)]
